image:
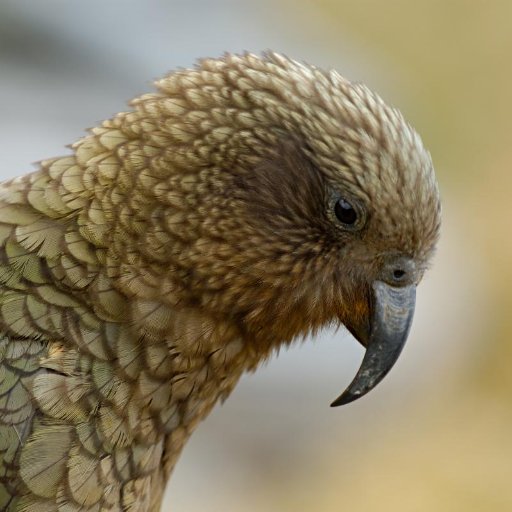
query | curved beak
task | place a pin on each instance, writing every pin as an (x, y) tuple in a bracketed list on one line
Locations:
[(392, 312)]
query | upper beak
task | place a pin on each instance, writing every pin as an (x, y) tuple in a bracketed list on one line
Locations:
[(391, 311)]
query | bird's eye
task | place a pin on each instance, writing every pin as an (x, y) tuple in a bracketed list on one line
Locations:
[(345, 212)]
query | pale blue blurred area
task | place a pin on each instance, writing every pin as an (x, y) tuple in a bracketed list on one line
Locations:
[(67, 65)]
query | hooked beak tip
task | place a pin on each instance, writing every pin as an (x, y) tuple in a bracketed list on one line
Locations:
[(393, 309), (346, 397)]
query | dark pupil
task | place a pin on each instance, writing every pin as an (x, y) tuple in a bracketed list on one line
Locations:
[(344, 211)]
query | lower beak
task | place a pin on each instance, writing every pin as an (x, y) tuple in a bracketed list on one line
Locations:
[(392, 312)]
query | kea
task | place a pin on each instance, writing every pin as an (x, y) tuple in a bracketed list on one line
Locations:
[(246, 203)]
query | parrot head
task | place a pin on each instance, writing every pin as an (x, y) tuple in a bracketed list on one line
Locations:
[(318, 205)]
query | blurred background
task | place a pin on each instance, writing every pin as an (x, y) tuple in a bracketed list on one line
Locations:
[(436, 434)]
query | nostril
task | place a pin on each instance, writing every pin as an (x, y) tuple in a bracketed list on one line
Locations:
[(398, 270), (398, 274)]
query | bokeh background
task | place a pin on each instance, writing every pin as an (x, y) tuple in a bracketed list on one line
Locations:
[(436, 434)]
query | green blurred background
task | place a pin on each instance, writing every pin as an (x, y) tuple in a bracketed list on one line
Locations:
[(436, 434)]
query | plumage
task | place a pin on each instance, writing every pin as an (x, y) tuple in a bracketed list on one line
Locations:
[(180, 244)]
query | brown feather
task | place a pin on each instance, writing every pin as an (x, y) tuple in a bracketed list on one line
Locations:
[(177, 247)]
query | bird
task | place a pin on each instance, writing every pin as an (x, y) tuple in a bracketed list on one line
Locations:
[(246, 202)]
